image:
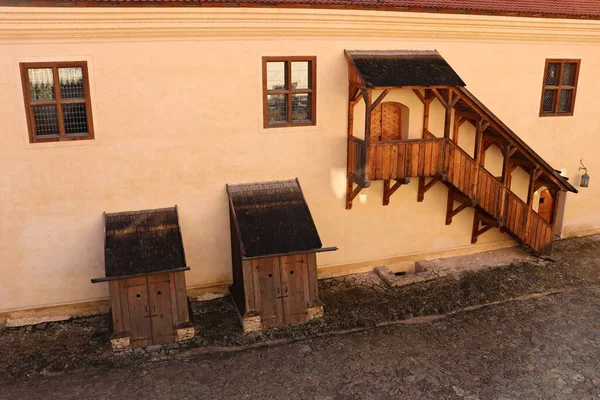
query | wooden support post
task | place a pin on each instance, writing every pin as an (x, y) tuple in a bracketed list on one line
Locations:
[(389, 191), (535, 174), (475, 229), (532, 178), (386, 189), (479, 125), (353, 92), (428, 98), (420, 191), (448, 115), (455, 128), (508, 152), (367, 96), (486, 146), (350, 193)]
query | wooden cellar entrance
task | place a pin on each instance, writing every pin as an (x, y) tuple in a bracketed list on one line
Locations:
[(283, 297), (432, 159), (274, 244), (145, 266)]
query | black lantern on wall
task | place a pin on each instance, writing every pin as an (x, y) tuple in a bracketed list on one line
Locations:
[(585, 178)]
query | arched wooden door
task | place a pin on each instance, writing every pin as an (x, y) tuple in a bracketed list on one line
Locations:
[(387, 121), (546, 205)]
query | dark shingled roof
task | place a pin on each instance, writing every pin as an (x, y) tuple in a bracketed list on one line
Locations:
[(273, 218), (142, 242), (403, 68)]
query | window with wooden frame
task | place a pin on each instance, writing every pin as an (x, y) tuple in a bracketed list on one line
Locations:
[(289, 91), (57, 101), (560, 87)]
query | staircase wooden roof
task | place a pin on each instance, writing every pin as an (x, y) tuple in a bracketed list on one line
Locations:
[(403, 68)]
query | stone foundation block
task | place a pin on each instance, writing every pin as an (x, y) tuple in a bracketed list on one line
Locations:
[(394, 280), (184, 333), (120, 344), (251, 323), (315, 312)]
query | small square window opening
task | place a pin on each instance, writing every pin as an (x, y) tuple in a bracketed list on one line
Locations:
[(57, 101), (289, 91)]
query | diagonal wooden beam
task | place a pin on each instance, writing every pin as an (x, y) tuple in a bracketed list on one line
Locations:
[(479, 219), (379, 99), (354, 93), (423, 187), (428, 135), (419, 95), (389, 191), (461, 198), (453, 100), (451, 211), (439, 97)]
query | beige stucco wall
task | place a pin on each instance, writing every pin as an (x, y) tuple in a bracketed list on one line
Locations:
[(178, 114)]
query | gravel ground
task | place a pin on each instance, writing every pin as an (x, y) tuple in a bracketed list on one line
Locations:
[(352, 302), (543, 348)]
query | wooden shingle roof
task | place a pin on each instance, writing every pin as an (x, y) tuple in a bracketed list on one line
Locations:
[(403, 68), (142, 242), (272, 218)]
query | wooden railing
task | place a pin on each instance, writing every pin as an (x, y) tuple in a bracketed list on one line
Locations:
[(405, 159), (357, 158), (439, 157), (539, 233), (488, 193), (516, 215), (460, 168)]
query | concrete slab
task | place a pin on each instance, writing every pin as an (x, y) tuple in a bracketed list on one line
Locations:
[(472, 262), (57, 313), (396, 279)]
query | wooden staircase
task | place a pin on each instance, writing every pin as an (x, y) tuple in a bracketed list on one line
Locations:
[(433, 159), (440, 159)]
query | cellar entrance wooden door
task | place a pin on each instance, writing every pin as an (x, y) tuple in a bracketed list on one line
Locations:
[(387, 121), (283, 287), (150, 310), (546, 205)]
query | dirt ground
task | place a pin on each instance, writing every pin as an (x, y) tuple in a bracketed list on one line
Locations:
[(352, 303), (542, 348)]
